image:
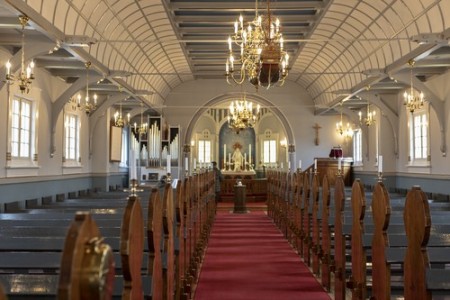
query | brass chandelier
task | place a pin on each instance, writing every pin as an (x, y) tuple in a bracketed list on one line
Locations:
[(143, 126), (412, 100), (263, 58), (242, 115), (88, 106), (26, 75), (369, 119), (341, 130), (119, 121)]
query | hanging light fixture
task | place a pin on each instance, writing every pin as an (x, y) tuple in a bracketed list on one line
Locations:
[(88, 106), (369, 119), (242, 114), (413, 100), (26, 75), (341, 129), (143, 127), (263, 58), (118, 119)]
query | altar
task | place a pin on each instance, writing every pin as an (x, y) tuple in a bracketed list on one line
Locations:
[(247, 174)]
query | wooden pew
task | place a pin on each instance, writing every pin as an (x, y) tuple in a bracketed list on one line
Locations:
[(131, 249), (338, 266), (325, 242), (306, 221), (87, 264), (154, 240), (417, 224), (315, 219)]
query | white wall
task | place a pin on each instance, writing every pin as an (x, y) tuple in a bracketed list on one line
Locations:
[(292, 100)]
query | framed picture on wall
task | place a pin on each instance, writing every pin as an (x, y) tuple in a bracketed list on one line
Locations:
[(115, 150)]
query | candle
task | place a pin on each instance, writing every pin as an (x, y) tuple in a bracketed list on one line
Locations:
[(380, 164), (250, 154), (195, 164), (245, 158), (300, 164), (168, 164), (229, 158), (282, 165), (289, 165), (315, 164), (186, 163), (132, 164), (224, 154), (339, 163)]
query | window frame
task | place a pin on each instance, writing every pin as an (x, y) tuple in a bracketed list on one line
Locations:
[(76, 161), (357, 147), (31, 159), (414, 136)]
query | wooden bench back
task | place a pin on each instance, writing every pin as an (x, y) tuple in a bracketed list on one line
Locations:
[(132, 248), (154, 239), (339, 241), (306, 220), (315, 243), (381, 210), (84, 257), (417, 227), (169, 248), (358, 278), (325, 247)]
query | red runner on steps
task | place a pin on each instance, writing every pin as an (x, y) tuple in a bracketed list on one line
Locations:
[(248, 258)]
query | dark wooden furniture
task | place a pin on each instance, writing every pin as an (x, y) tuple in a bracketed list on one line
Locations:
[(239, 199), (329, 167)]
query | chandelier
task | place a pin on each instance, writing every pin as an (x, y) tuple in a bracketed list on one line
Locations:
[(119, 121), (88, 106), (242, 115), (369, 119), (263, 58), (413, 101), (26, 75), (143, 127), (343, 130)]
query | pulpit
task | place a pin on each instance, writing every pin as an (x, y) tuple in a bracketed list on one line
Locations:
[(239, 199), (329, 166)]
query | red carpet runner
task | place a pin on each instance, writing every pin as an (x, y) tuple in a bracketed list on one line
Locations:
[(248, 258)]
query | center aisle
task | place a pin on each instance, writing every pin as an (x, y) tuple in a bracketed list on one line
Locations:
[(248, 258)]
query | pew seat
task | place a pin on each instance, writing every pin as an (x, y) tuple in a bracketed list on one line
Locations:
[(44, 286)]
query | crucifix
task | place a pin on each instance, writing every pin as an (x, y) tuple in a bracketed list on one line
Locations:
[(316, 139)]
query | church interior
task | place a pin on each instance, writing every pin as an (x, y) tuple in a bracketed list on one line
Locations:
[(326, 120)]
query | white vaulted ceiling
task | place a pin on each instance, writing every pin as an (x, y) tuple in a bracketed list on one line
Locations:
[(335, 46)]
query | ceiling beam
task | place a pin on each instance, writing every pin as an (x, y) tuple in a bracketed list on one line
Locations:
[(239, 6), (229, 19)]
